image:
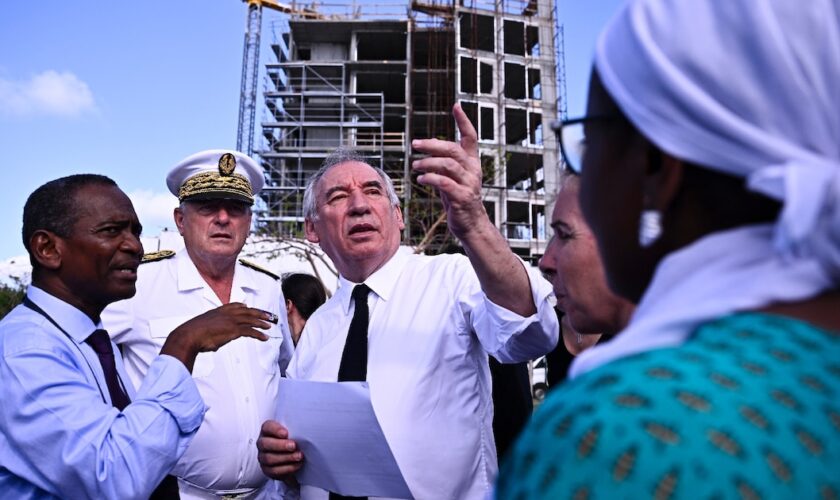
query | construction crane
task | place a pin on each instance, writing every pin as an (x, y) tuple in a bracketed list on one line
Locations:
[(250, 66)]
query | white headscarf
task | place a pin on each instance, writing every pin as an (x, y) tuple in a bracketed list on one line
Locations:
[(750, 88)]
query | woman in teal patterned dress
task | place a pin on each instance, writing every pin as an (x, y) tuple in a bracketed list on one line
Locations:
[(711, 179)]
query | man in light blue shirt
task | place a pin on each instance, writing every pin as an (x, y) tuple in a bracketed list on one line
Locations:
[(71, 426)]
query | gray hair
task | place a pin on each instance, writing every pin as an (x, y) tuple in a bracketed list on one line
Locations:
[(337, 157)]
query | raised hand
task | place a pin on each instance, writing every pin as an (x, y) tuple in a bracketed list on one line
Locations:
[(454, 169), (215, 328)]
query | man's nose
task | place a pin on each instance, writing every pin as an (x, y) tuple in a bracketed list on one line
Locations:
[(222, 215), (547, 263), (132, 244), (358, 202)]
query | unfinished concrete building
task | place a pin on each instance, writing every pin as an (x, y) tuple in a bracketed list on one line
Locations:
[(376, 77)]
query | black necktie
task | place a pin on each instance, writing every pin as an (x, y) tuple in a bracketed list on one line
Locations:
[(353, 365), (354, 358), (101, 344)]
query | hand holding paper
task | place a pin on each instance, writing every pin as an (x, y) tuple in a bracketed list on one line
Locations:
[(334, 426), (278, 455)]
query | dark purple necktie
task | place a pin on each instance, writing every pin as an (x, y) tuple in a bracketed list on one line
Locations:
[(101, 344), (353, 365)]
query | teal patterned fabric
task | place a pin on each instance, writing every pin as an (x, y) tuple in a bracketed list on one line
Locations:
[(749, 407)]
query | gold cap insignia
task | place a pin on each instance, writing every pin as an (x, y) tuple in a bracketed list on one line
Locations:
[(227, 164), (216, 174)]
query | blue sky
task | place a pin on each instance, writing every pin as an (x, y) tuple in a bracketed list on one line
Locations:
[(127, 89)]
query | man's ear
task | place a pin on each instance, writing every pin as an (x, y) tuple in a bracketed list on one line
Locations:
[(309, 229), (178, 215), (663, 179), (399, 216), (46, 248)]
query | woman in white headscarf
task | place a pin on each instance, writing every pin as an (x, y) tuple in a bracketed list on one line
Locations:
[(711, 179)]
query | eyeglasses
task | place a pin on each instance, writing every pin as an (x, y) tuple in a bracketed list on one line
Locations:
[(570, 134)]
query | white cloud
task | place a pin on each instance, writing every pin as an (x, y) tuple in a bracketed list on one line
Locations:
[(48, 93), (154, 209)]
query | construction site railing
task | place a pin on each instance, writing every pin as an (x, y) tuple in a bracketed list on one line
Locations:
[(358, 140), (302, 76), (361, 109), (370, 139), (353, 9)]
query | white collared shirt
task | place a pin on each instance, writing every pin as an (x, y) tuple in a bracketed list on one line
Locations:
[(431, 328), (239, 382)]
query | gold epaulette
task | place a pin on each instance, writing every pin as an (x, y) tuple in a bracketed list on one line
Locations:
[(156, 256), (255, 267)]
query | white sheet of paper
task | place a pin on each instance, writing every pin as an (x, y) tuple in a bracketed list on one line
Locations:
[(343, 446)]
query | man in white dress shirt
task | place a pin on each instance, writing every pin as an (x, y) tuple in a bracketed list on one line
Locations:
[(432, 320), (239, 383)]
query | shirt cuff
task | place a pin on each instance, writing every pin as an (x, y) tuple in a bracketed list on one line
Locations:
[(541, 293), (170, 385), (517, 338)]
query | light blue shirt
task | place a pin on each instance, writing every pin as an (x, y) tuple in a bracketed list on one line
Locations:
[(58, 438)]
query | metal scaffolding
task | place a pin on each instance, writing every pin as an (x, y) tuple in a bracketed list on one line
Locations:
[(373, 77)]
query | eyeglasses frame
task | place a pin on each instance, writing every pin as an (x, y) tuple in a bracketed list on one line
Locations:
[(557, 127)]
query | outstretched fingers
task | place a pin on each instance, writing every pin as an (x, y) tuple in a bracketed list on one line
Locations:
[(462, 152), (469, 136), (445, 184), (249, 320), (437, 148), (442, 166), (457, 161)]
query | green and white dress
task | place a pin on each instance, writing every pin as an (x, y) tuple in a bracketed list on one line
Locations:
[(747, 407)]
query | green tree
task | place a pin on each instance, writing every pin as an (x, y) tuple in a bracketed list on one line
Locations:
[(10, 297)]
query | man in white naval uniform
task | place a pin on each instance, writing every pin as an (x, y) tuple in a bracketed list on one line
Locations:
[(431, 320), (239, 382)]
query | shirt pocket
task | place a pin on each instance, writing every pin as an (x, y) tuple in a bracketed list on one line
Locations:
[(268, 354), (160, 329)]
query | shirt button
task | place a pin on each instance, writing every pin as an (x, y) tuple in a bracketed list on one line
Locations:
[(250, 441), (247, 399)]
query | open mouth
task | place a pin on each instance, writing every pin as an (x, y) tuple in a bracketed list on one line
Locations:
[(361, 229), (128, 271)]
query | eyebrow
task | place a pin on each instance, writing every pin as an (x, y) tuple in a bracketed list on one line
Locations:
[(344, 187), (111, 221), (116, 222), (375, 184)]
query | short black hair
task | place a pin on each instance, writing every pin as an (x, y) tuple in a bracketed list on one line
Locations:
[(305, 291), (52, 207)]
